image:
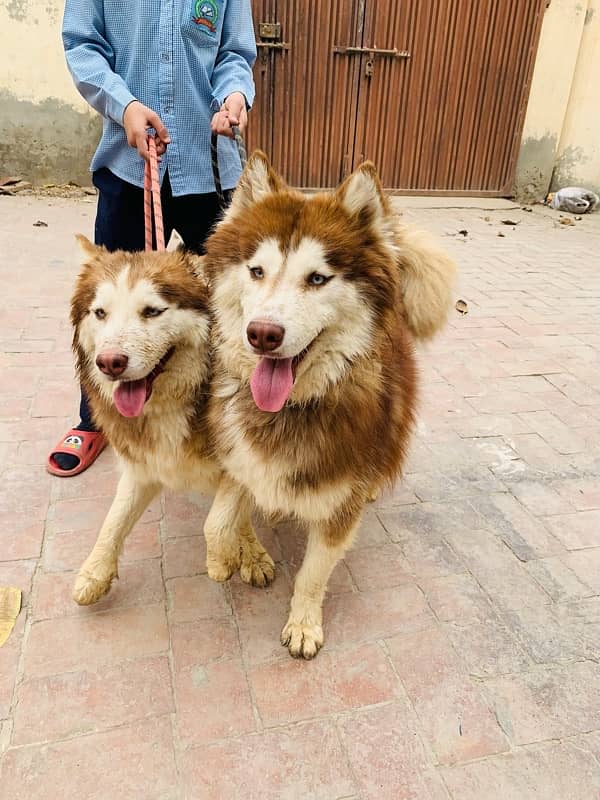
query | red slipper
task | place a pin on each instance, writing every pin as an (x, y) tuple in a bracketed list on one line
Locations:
[(84, 445)]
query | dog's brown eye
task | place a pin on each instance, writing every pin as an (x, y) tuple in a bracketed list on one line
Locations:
[(257, 272), (100, 313), (316, 279), (150, 312)]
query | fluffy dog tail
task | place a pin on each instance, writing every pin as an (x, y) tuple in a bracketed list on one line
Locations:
[(428, 276)]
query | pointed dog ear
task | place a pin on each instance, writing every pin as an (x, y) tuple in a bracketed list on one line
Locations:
[(361, 194), (88, 249), (175, 241), (258, 180)]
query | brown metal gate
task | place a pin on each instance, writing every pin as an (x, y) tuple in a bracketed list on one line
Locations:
[(433, 91)]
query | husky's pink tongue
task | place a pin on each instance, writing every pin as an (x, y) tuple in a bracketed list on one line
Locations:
[(271, 383), (130, 396)]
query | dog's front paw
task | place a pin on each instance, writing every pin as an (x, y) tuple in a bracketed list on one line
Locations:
[(91, 585), (258, 568), (302, 639), (219, 568)]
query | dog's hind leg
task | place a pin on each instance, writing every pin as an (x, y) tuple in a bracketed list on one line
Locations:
[(231, 542), (101, 566), (303, 632)]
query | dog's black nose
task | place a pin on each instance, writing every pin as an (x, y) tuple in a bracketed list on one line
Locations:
[(265, 336), (112, 364)]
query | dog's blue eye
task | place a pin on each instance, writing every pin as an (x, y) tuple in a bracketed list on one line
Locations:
[(257, 272), (316, 279), (150, 311), (100, 313)]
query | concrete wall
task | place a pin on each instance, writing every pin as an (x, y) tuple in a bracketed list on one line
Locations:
[(560, 139), (47, 132), (578, 157)]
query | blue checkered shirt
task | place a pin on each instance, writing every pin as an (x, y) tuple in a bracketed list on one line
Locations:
[(181, 58)]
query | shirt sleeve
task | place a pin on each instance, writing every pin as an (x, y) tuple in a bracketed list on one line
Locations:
[(237, 53), (90, 59)]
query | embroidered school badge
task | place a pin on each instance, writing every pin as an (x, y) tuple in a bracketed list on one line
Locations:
[(206, 14)]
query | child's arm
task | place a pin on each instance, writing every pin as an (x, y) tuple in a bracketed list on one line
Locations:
[(90, 59), (237, 53)]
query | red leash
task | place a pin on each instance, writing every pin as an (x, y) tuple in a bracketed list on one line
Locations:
[(152, 199)]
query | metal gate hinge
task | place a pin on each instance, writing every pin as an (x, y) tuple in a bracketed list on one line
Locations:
[(269, 30)]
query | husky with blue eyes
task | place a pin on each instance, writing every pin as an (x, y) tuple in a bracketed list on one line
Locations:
[(316, 300)]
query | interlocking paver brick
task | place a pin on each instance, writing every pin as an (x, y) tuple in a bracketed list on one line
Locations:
[(19, 574), (289, 691), (67, 551), (540, 498), (576, 531), (10, 655), (582, 493), (184, 556), (61, 706), (22, 538), (366, 616), (213, 702), (73, 515), (455, 716), (498, 571), (554, 633), (544, 773), (586, 565), (388, 756), (91, 639), (487, 648), (457, 597), (554, 431), (184, 516), (373, 567), (260, 616), (138, 583), (526, 536), (430, 520), (548, 703), (303, 761), (132, 761), (537, 453), (196, 597), (480, 569), (197, 643), (558, 580)]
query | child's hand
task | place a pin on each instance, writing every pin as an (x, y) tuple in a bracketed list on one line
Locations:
[(232, 112), (136, 121)]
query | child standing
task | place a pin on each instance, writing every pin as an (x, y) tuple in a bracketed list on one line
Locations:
[(182, 68)]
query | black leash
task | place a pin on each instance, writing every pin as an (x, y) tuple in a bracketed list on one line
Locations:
[(214, 157)]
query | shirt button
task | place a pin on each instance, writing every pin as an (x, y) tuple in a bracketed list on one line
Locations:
[(165, 57)]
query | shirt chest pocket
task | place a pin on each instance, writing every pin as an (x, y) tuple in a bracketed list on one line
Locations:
[(202, 21)]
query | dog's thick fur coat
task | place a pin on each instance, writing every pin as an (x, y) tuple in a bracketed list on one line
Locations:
[(151, 308), (345, 288)]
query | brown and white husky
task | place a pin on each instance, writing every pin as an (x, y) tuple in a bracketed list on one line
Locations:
[(141, 338), (316, 303)]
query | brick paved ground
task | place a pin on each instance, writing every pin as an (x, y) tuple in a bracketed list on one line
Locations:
[(463, 631)]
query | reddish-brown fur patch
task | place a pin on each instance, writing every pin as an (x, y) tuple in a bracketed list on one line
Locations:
[(358, 432)]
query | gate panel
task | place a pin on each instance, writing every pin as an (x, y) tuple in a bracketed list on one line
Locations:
[(446, 119), (449, 118), (311, 94)]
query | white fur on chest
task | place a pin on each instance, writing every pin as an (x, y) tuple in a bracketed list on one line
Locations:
[(169, 464)]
